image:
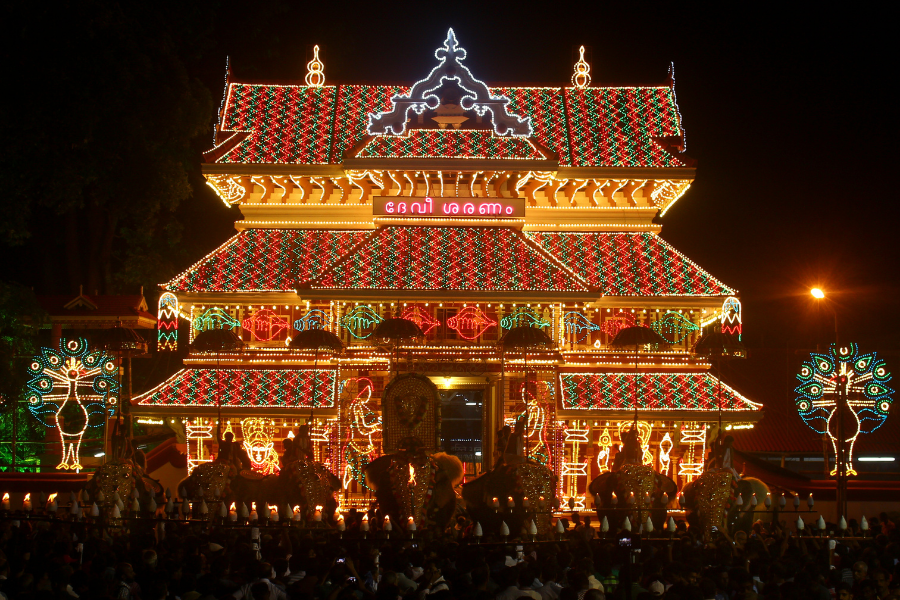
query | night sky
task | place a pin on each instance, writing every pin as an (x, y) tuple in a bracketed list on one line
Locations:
[(787, 110)]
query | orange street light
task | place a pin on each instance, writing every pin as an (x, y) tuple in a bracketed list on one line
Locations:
[(817, 293)]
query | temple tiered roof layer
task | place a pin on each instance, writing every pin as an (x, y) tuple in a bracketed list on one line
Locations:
[(591, 127), (243, 388), (650, 392), (448, 258)]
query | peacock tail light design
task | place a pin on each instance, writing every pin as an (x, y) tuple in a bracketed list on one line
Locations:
[(868, 395), (69, 390)]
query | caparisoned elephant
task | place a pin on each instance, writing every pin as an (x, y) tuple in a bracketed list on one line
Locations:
[(302, 483), (530, 485), (711, 501), (412, 483), (122, 476)]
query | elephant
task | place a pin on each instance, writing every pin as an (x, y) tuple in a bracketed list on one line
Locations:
[(302, 483), (412, 483), (530, 485), (635, 486), (122, 476), (711, 501)]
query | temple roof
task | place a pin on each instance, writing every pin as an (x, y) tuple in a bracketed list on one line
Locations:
[(488, 259), (630, 264), (266, 260), (232, 388), (479, 259), (654, 392), (450, 143), (590, 127)]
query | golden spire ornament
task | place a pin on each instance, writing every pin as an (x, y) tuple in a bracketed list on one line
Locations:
[(315, 70), (581, 78)]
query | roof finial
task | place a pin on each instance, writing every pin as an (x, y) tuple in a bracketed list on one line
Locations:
[(315, 70), (582, 76)]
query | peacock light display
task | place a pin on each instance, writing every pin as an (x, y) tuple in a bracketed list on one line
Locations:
[(868, 395), (70, 389)]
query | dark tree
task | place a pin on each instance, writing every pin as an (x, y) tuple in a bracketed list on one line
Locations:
[(100, 113)]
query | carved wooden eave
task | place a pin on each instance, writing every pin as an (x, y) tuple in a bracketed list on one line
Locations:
[(569, 199)]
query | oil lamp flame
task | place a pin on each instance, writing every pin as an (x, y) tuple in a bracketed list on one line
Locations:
[(412, 475)]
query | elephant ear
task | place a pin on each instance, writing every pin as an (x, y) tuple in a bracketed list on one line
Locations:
[(451, 467)]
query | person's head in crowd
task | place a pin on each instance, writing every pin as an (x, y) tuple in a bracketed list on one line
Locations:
[(578, 580), (260, 591), (867, 590), (125, 572), (657, 588), (882, 581), (844, 591), (708, 588), (593, 595)]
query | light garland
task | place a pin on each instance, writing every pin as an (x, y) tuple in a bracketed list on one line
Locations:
[(266, 260), (264, 325), (259, 389), (197, 434), (523, 317), (361, 321), (732, 321), (313, 319), (448, 258), (629, 264), (652, 391), (364, 424), (578, 325), (421, 97), (674, 327), (215, 318), (167, 323), (315, 70), (691, 465), (450, 143), (75, 385), (581, 78), (420, 317), (470, 323)]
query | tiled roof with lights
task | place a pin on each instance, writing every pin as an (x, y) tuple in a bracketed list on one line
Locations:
[(286, 123), (630, 264), (243, 388), (449, 143), (449, 258), (591, 127), (267, 260), (618, 126), (653, 391)]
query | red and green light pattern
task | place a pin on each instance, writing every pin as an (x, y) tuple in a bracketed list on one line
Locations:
[(450, 143), (653, 391), (546, 108), (630, 264), (287, 124), (244, 388), (448, 258), (616, 126), (354, 104), (591, 127), (267, 260)]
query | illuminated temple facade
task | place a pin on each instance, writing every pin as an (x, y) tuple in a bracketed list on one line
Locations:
[(470, 210)]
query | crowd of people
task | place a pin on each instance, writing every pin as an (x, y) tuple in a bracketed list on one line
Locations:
[(191, 561)]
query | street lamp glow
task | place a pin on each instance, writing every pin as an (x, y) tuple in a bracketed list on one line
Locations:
[(817, 293)]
